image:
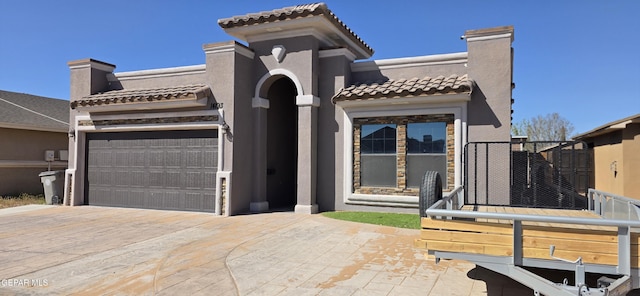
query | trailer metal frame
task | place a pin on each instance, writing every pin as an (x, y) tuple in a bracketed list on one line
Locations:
[(615, 211)]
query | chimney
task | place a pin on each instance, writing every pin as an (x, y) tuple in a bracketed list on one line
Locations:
[(88, 76), (490, 66)]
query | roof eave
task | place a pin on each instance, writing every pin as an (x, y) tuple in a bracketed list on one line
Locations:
[(332, 31), (609, 127), (34, 128), (406, 100), (141, 106), (130, 101)]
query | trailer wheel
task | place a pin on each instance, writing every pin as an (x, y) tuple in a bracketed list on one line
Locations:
[(430, 191)]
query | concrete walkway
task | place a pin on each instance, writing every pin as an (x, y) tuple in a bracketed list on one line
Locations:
[(96, 251)]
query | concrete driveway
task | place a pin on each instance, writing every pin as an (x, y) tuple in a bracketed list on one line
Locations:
[(96, 251)]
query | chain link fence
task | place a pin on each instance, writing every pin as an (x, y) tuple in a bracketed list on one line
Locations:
[(528, 174)]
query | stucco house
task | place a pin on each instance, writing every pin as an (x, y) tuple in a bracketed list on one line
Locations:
[(29, 126), (616, 159), (293, 115)]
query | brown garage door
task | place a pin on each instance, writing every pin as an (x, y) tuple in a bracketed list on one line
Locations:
[(168, 170)]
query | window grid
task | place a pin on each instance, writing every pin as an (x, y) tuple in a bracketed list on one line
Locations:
[(401, 123)]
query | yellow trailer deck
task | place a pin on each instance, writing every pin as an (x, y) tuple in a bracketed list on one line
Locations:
[(601, 240), (487, 236)]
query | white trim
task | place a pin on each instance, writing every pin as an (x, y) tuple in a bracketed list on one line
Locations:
[(337, 52), (383, 200), (306, 209), (308, 100), (274, 72), (68, 176), (230, 48), (258, 102), (31, 164), (219, 176), (384, 102), (152, 126), (157, 73), (430, 60), (489, 37), (148, 115), (459, 111)]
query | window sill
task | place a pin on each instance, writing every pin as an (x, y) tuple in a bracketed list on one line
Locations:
[(403, 201), (400, 201)]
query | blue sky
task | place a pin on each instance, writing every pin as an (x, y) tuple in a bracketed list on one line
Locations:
[(578, 58)]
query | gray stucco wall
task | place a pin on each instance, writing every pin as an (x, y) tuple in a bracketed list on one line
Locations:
[(242, 129), (233, 76), (335, 73), (226, 74), (369, 71), (301, 59), (116, 83), (490, 66)]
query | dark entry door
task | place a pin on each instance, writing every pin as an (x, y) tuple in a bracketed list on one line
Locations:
[(169, 170), (282, 149)]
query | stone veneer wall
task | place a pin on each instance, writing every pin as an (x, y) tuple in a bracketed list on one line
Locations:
[(401, 150), (223, 196)]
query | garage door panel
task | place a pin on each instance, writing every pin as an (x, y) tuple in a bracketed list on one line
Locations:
[(173, 170), (209, 158), (209, 180), (173, 159), (173, 179), (156, 179)]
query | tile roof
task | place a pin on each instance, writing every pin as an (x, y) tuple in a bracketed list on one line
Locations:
[(405, 87), (291, 13), (31, 112), (126, 96)]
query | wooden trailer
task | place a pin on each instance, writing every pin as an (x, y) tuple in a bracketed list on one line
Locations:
[(600, 239)]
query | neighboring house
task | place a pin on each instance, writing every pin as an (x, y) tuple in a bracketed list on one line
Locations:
[(29, 126), (616, 147), (290, 119)]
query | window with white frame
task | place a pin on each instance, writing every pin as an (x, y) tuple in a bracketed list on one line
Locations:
[(378, 155), (391, 154)]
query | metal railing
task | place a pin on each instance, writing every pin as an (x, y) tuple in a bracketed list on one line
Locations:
[(611, 206), (534, 174)]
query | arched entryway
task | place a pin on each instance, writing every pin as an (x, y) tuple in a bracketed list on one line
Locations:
[(282, 148)]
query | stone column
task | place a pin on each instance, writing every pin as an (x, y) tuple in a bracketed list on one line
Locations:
[(307, 153), (259, 201)]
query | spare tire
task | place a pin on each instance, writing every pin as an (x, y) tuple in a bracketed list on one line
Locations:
[(430, 191)]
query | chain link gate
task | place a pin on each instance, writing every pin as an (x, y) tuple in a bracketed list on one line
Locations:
[(528, 174)]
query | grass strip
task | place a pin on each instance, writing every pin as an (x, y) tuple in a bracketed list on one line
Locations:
[(20, 200), (411, 221)]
